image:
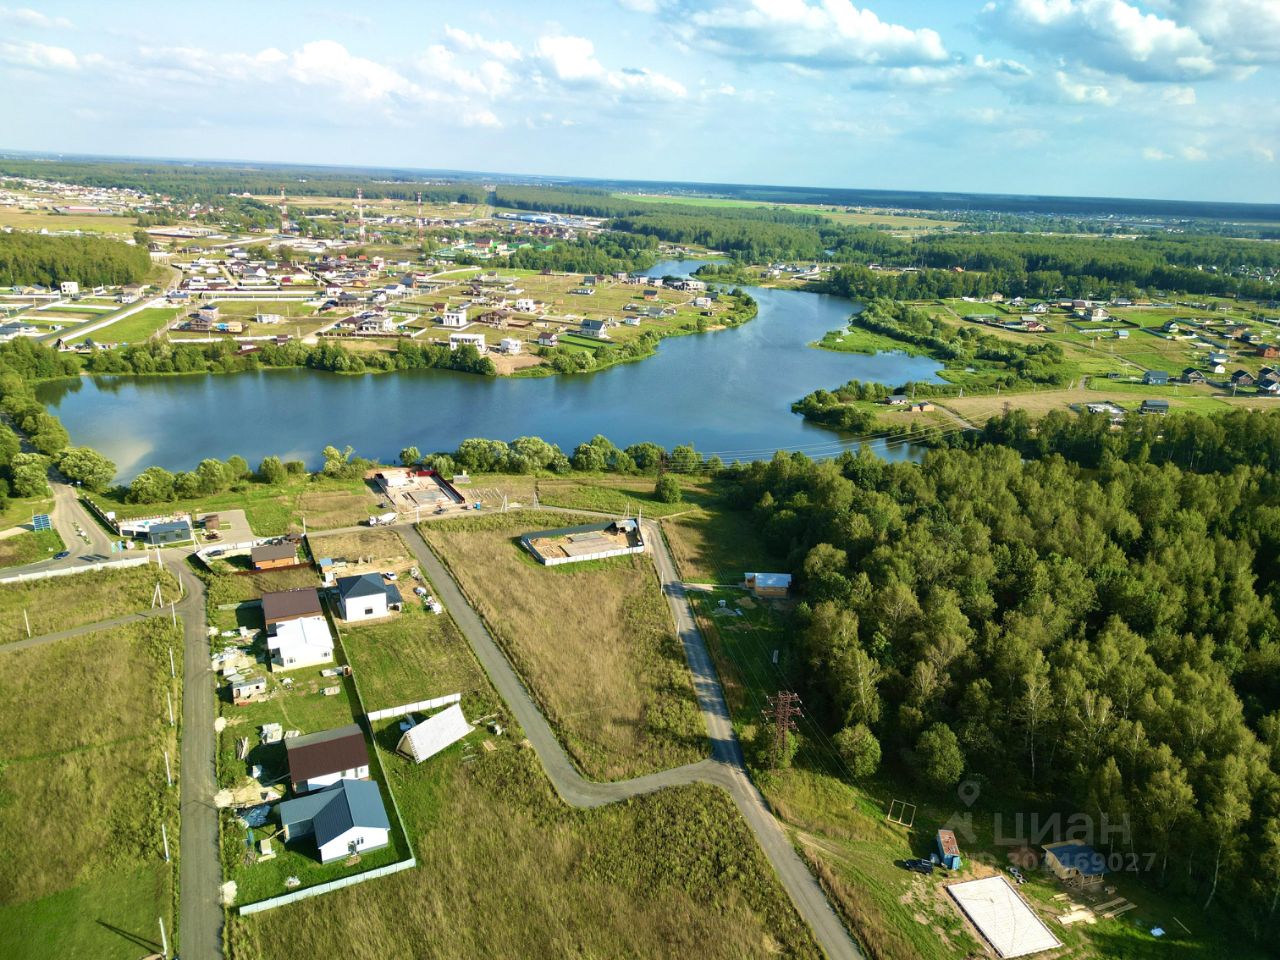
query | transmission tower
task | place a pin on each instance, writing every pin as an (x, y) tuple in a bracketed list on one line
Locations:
[(284, 212), (360, 211), (781, 712), (419, 218)]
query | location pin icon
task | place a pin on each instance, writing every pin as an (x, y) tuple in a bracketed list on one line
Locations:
[(968, 792)]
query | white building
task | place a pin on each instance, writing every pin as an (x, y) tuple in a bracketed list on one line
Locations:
[(367, 597), (69, 288), (318, 760), (304, 642), (345, 819), (455, 319), (509, 345), (526, 305), (476, 340)]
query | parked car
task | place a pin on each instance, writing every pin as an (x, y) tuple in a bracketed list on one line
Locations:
[(62, 554), (918, 865), (390, 575)]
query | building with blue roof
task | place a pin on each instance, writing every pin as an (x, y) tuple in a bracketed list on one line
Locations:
[(345, 818)]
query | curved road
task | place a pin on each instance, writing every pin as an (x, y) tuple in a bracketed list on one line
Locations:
[(725, 768)]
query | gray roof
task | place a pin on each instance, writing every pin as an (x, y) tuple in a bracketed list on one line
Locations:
[(336, 809), (365, 585)]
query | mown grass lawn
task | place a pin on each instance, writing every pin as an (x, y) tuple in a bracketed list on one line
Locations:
[(593, 641), (136, 327)]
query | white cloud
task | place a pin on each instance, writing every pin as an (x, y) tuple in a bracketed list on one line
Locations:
[(1155, 154), (1193, 153), (572, 61), (639, 6), (1262, 152), (1179, 96), (829, 33), (26, 17), (39, 56), (472, 43), (1107, 34), (1077, 90)]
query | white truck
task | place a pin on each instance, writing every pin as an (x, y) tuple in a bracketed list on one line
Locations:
[(382, 519)]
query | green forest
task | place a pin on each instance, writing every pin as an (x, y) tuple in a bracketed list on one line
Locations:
[(1094, 639), (31, 258)]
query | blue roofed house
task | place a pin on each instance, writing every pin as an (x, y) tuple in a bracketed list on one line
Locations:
[(367, 597), (596, 329), (1156, 378), (345, 818)]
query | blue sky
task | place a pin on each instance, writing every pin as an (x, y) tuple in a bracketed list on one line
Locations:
[(1160, 98)]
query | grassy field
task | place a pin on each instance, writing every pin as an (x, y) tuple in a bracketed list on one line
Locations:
[(85, 723), (627, 706), (29, 547), (60, 603), (134, 328), (506, 870), (415, 656), (270, 509), (53, 222), (847, 215)]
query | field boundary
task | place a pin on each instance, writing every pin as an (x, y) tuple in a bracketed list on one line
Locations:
[(70, 571), (415, 707), (330, 886)]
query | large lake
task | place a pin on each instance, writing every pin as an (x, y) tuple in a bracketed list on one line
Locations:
[(728, 392)]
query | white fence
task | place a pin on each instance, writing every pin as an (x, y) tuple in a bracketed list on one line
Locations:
[(68, 571), (600, 555), (323, 888), (413, 707)]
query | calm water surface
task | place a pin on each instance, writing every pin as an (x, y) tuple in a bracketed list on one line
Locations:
[(727, 392)]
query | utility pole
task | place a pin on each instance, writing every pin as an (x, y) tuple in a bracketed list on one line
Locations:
[(168, 773), (360, 211), (164, 941), (419, 218), (782, 712)]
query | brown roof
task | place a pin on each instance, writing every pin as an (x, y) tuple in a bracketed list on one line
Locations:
[(291, 605), (330, 751), (273, 551)]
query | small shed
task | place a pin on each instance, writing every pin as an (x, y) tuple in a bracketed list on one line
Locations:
[(1159, 407), (1076, 863), (212, 521), (246, 688), (948, 849)]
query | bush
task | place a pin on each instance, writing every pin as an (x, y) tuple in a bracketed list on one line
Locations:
[(667, 489), (859, 749)]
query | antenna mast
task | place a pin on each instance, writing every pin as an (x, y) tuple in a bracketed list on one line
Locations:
[(360, 210), (419, 218), (284, 212)]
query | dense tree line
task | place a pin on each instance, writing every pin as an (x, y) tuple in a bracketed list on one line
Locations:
[(1103, 641), (1219, 444), (205, 180), (1047, 266), (832, 408), (169, 356), (1004, 363), (608, 252), (33, 258)]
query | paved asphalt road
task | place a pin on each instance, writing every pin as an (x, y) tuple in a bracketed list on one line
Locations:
[(725, 768)]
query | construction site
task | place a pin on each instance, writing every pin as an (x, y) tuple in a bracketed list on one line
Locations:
[(593, 541), (414, 491)]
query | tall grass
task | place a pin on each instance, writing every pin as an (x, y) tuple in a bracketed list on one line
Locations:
[(593, 641)]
